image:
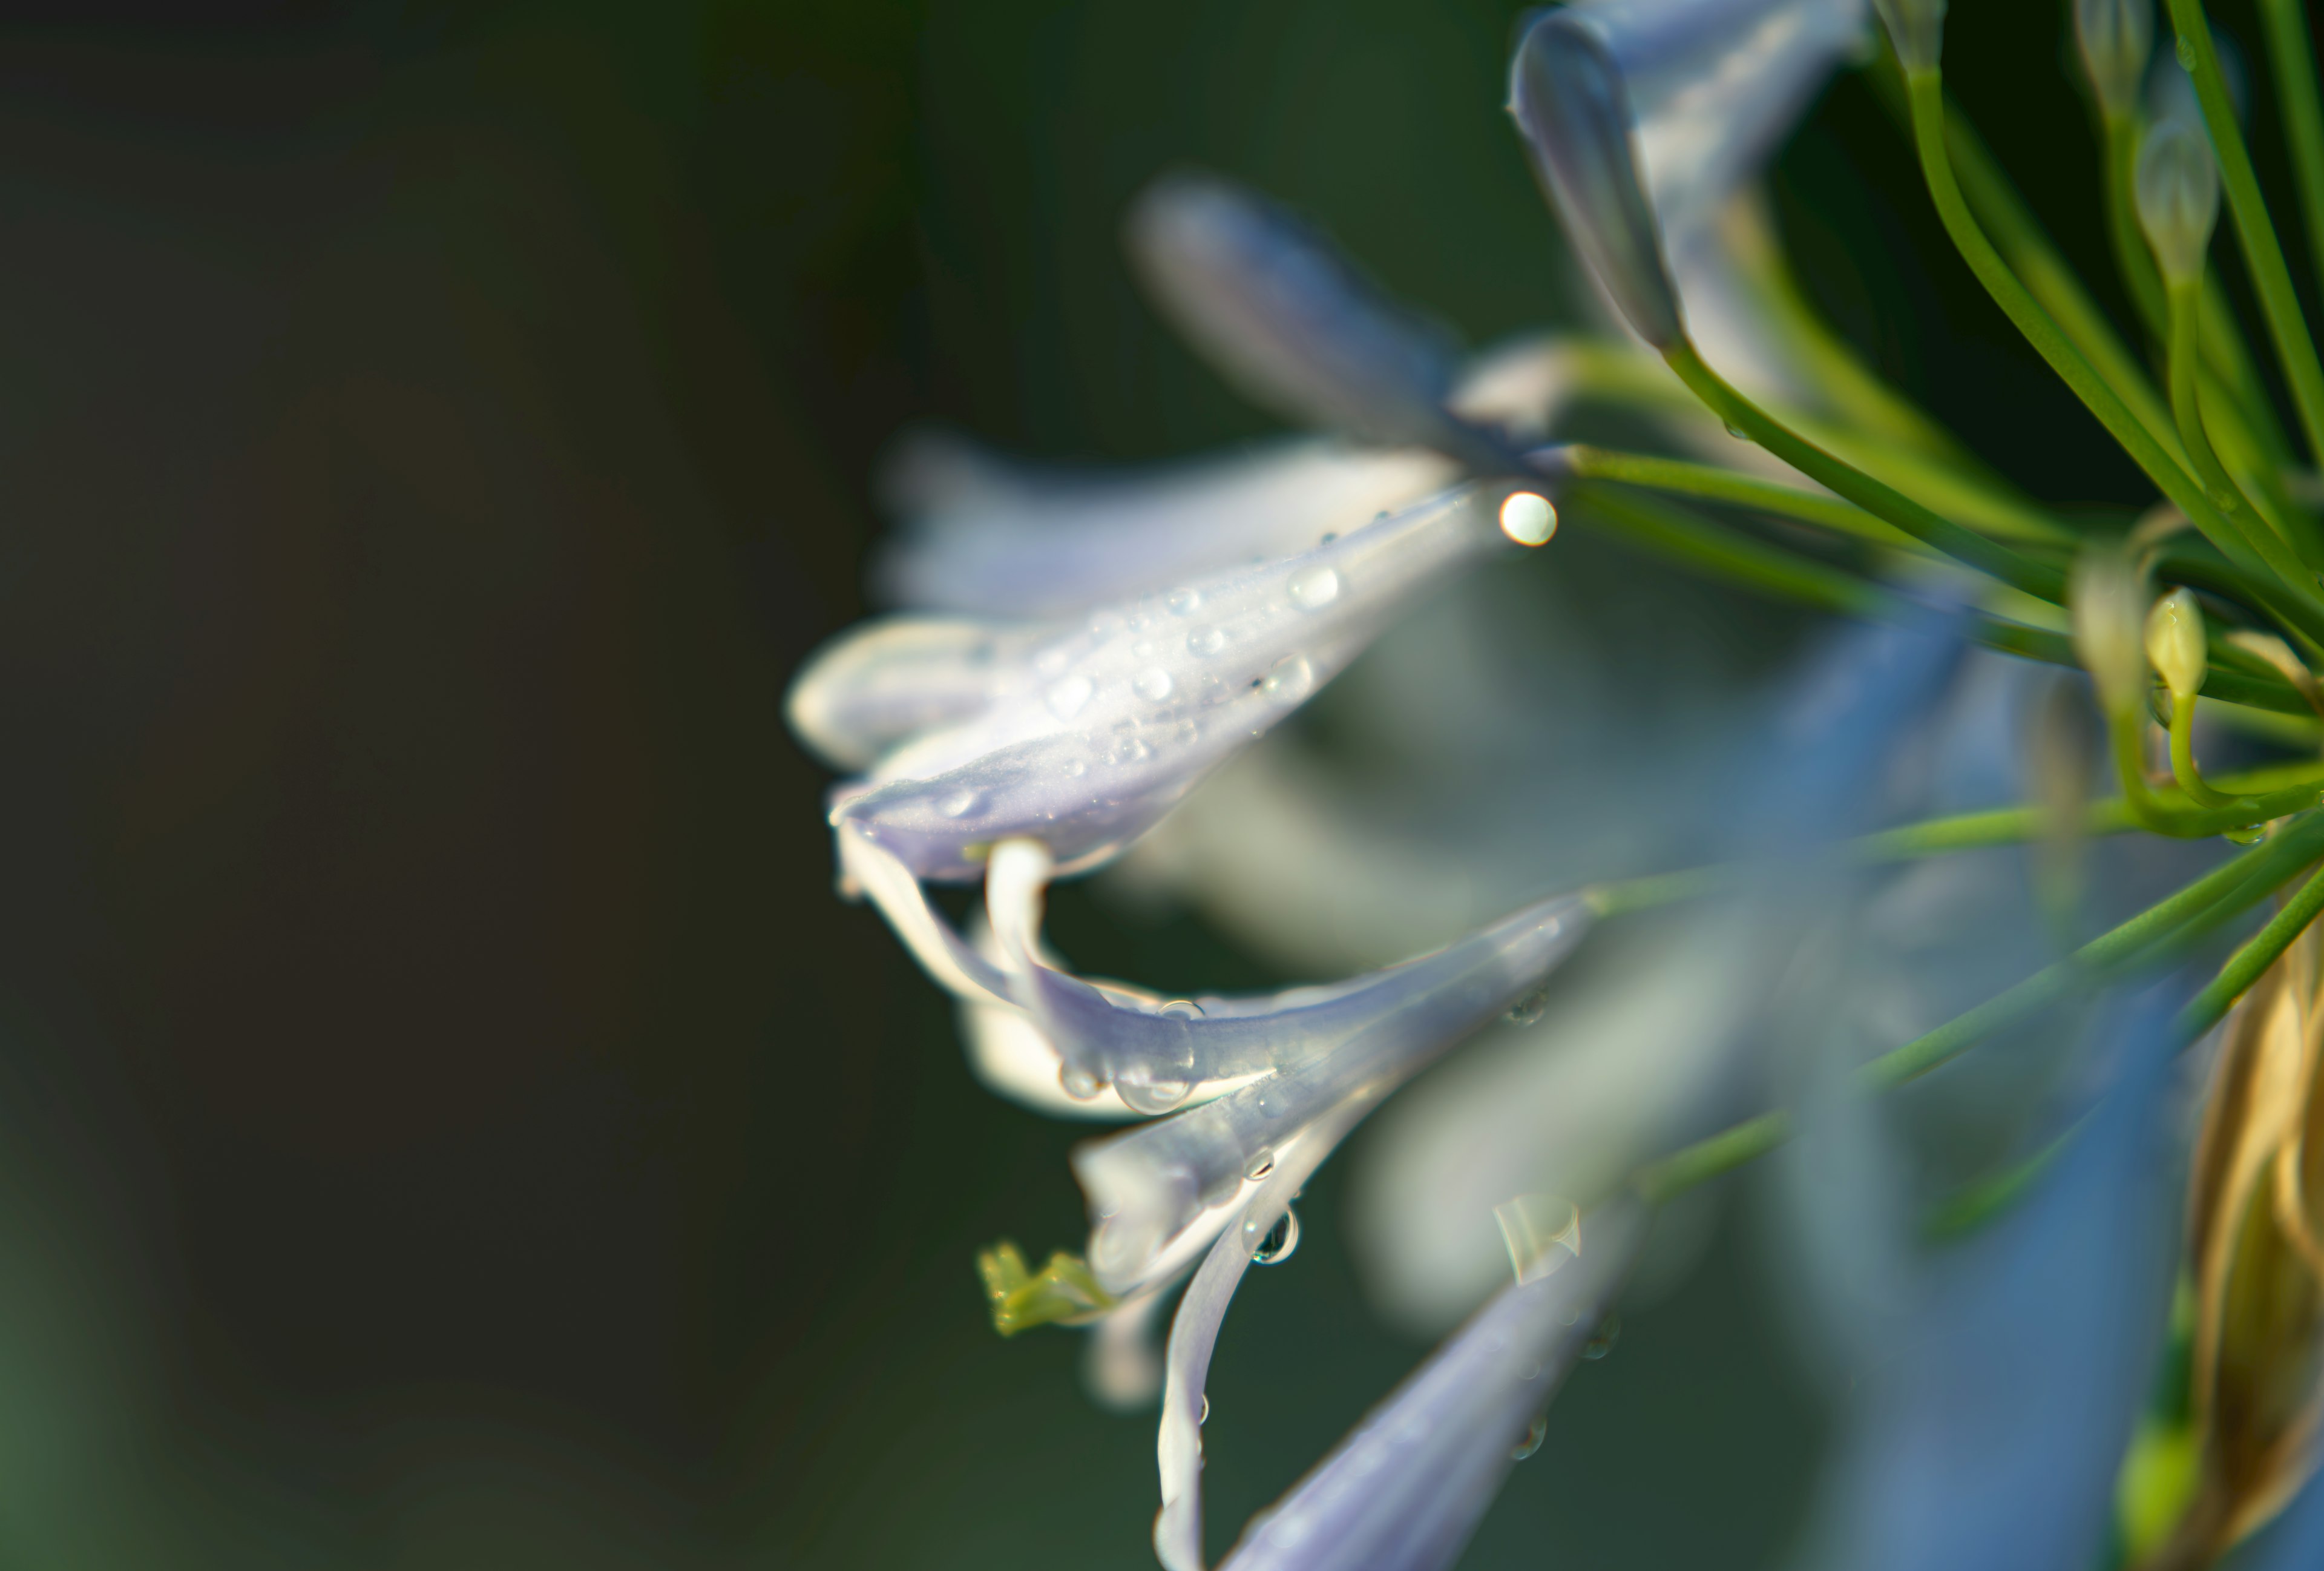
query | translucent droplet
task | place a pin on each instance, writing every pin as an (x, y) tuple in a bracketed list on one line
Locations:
[(2186, 56), (1076, 769), (1154, 683), (1181, 1009), (1080, 1082), (1280, 1241), (1068, 697), (1533, 1437), (958, 805), (1183, 602), (1288, 680), (1204, 1415), (1332, 534), (2252, 835), (1313, 588), (1146, 1091), (1259, 1166), (1529, 1009), (1738, 433), (1528, 519), (1206, 640), (1601, 1340)]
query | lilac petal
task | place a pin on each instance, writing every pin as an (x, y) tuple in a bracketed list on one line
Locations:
[(883, 682), (1153, 1051), (1643, 117), (1288, 319), (1122, 1365), (1147, 1187), (1093, 736), (991, 537), (1407, 1489), (1993, 1436), (1194, 1329)]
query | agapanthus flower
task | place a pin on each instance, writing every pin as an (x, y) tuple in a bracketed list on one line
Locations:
[(1901, 872)]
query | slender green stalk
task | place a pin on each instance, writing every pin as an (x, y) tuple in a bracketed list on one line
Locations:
[(2131, 256), (1682, 478), (2039, 579), (2232, 887), (2003, 222), (1686, 537), (1926, 90), (2184, 298), (2209, 1007), (2294, 60), (2295, 350), (2183, 768)]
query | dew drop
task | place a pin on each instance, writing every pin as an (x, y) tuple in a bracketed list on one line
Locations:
[(1079, 1082), (1144, 1091), (1076, 769), (2251, 835), (1533, 1437), (1528, 519), (1206, 640), (1332, 534), (1313, 588), (1738, 433), (1068, 697), (1601, 1340), (1183, 602), (2186, 56), (958, 805), (1281, 1239), (1204, 1415), (1259, 1165), (1288, 680), (1181, 1009), (1529, 1009), (1154, 683)]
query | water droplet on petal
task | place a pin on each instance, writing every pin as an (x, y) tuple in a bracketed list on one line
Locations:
[(1529, 1009), (1313, 588), (1738, 433), (1280, 1241), (1204, 1415), (1259, 1165), (1182, 602), (1601, 1340), (1533, 1437), (1143, 1090), (959, 804), (1080, 1082), (1528, 519), (1206, 640), (1076, 769), (1181, 1009), (1067, 697), (1288, 680), (1154, 683), (1332, 534)]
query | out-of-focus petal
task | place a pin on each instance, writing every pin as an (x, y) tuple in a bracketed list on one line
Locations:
[(1406, 1488), (883, 682), (1277, 309), (1992, 1435)]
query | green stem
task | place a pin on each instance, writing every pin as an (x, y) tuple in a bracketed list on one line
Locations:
[(2228, 889), (2294, 60), (2183, 768), (2039, 579), (2184, 295), (2131, 256), (1682, 536), (2209, 1007), (1682, 478), (1926, 90), (2295, 351)]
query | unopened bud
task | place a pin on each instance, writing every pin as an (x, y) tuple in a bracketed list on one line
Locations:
[(2175, 644), (1918, 30), (2106, 596), (2116, 38), (2178, 191), (1566, 93)]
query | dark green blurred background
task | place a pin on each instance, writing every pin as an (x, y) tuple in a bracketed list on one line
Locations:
[(446, 1119)]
